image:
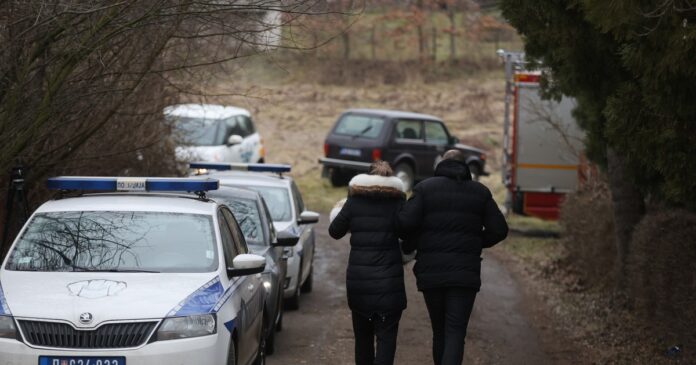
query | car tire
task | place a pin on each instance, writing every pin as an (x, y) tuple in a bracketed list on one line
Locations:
[(307, 285), (337, 178), (405, 173), (279, 325), (475, 170), (293, 303), (261, 354), (270, 340), (232, 353)]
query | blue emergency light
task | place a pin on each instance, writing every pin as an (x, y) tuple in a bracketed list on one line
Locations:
[(132, 183), (251, 167)]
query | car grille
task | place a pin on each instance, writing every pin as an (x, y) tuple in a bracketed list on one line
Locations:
[(108, 336)]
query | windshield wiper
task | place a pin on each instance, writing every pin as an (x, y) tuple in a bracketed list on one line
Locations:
[(362, 133)]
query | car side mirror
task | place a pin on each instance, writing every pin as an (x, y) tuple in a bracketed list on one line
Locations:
[(308, 217), (247, 264), (286, 239), (234, 139), (453, 140)]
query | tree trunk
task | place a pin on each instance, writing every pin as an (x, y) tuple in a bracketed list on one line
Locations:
[(421, 33), (346, 45), (629, 208), (453, 51), (434, 55)]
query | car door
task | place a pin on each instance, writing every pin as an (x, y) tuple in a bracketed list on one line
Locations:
[(247, 286), (408, 140), (436, 141), (305, 233)]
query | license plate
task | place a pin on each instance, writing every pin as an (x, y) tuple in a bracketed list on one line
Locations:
[(350, 152), (81, 360)]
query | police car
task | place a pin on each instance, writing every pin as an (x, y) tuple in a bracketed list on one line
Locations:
[(261, 237), (139, 277), (287, 211)]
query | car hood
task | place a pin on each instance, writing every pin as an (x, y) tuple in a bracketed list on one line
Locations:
[(107, 296), (199, 153), (465, 147)]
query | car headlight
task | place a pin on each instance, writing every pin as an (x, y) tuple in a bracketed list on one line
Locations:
[(7, 327), (186, 327)]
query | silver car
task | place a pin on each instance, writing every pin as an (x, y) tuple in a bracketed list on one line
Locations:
[(254, 219), (287, 210)]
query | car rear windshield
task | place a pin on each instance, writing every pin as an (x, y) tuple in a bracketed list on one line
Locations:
[(277, 200), (247, 214), (359, 126), (116, 241)]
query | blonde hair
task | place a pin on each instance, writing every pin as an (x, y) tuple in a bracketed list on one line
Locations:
[(381, 168)]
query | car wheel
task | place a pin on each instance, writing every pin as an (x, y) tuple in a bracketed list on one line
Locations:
[(337, 178), (293, 303), (270, 340), (307, 285), (232, 353), (261, 354), (279, 325), (475, 170), (405, 173)]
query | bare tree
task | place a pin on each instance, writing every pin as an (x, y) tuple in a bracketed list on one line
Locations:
[(83, 83)]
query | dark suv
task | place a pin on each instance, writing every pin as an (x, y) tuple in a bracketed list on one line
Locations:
[(412, 143)]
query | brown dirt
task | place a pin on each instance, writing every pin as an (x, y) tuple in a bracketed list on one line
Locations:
[(508, 325)]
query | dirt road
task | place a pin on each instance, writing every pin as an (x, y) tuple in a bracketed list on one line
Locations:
[(505, 326)]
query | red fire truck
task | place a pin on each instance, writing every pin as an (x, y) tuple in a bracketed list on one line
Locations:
[(542, 146)]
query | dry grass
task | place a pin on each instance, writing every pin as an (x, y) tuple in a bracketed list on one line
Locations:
[(294, 116)]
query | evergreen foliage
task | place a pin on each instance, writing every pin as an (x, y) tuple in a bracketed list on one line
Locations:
[(631, 66)]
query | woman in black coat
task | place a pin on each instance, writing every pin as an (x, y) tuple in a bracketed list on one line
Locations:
[(375, 275)]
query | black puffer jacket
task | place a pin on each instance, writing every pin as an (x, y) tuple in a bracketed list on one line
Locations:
[(375, 275), (451, 218)]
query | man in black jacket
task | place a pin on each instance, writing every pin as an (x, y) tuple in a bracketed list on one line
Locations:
[(450, 218)]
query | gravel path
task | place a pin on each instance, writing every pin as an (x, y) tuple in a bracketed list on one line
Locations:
[(505, 328)]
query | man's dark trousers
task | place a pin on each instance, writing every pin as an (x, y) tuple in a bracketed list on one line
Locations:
[(383, 326), (449, 309)]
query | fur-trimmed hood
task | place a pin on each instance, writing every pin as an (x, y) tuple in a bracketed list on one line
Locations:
[(378, 187)]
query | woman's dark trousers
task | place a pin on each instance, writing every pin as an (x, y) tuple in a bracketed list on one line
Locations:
[(382, 326), (449, 309)]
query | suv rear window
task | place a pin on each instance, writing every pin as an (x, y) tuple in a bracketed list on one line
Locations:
[(359, 126)]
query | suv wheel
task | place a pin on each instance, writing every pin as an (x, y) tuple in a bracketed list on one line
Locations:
[(337, 178), (475, 170), (404, 172)]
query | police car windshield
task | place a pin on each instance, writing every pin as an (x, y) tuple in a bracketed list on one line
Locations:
[(200, 132), (277, 200), (248, 217), (116, 242)]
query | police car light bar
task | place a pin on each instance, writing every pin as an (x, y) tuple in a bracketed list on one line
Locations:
[(132, 183), (251, 167)]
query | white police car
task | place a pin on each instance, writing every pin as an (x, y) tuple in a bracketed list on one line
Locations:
[(287, 211), (215, 133), (131, 278)]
